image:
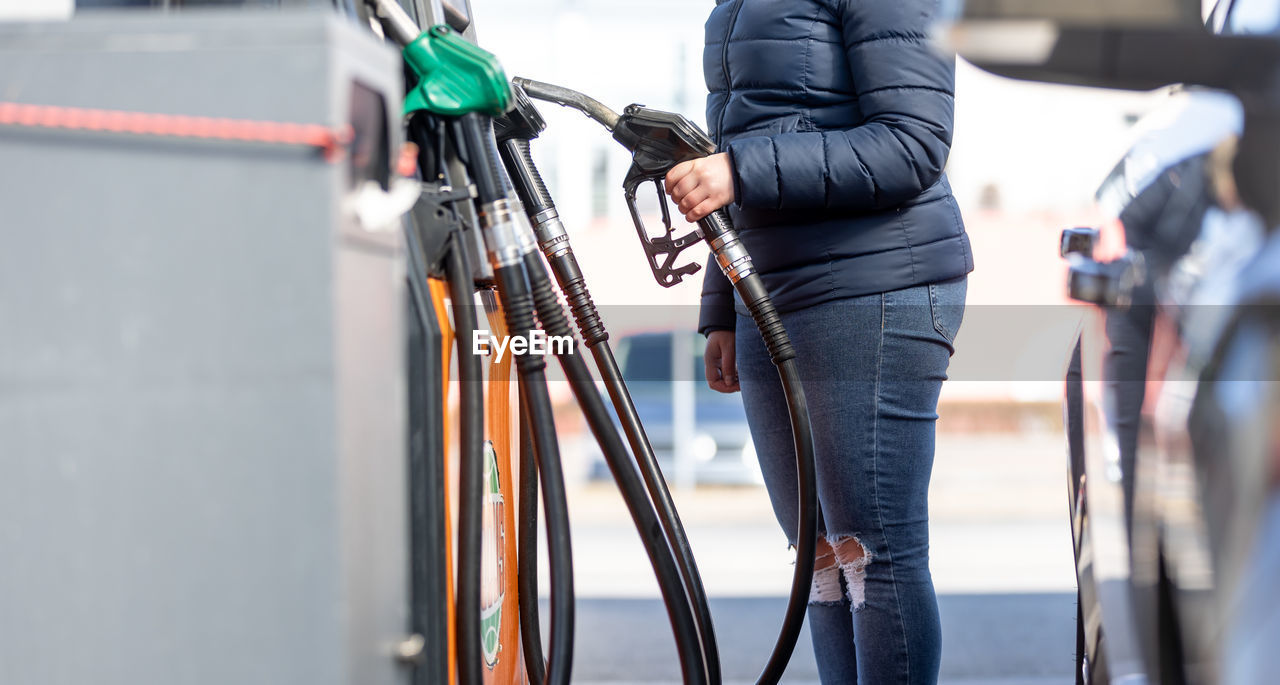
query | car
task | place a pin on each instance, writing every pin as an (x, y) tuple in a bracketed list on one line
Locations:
[(699, 436), (1171, 407)]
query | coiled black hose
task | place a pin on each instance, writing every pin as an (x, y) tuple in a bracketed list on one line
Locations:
[(517, 304), (470, 468), (527, 556), (555, 323), (515, 153), (718, 231), (476, 132), (802, 577)]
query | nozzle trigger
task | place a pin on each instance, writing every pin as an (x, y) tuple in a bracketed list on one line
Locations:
[(661, 251)]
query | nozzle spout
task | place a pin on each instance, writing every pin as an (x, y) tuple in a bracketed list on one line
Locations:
[(569, 98)]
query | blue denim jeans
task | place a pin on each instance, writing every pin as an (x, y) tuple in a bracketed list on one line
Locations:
[(872, 368)]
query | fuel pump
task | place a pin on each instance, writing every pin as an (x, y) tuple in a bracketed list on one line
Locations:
[(462, 86), (658, 141), (465, 84)]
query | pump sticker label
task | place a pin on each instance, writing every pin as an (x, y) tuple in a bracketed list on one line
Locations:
[(491, 579)]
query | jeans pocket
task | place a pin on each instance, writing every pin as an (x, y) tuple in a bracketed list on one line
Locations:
[(946, 304)]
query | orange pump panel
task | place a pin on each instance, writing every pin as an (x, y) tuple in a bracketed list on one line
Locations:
[(439, 293), (505, 665)]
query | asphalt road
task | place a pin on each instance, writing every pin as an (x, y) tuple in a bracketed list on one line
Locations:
[(1013, 639), (1000, 552)]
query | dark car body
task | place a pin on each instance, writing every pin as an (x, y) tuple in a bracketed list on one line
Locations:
[(1171, 410)]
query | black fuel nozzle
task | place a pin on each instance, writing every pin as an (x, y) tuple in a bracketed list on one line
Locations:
[(1106, 284), (514, 131), (1078, 240), (523, 121), (659, 141)]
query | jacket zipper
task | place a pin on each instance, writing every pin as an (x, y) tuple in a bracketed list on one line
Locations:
[(724, 65)]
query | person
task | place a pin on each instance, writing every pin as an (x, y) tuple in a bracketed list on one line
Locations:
[(833, 121)]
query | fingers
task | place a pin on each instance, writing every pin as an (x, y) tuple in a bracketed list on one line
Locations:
[(684, 187), (722, 386), (711, 364), (678, 173), (729, 365), (719, 362), (1111, 244), (693, 199), (701, 210), (701, 186)]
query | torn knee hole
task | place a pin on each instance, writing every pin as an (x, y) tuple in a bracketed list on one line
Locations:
[(852, 558), (848, 550), (826, 576), (826, 584)]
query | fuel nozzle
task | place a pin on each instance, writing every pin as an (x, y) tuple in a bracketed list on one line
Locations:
[(514, 131), (1079, 241), (1106, 284), (522, 121), (659, 141)]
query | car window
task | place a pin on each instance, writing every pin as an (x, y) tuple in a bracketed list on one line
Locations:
[(646, 367), (646, 357)]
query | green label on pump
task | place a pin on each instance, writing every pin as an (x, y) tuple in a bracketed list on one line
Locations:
[(454, 76), (493, 575)]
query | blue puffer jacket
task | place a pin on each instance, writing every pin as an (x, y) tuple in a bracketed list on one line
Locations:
[(837, 117)]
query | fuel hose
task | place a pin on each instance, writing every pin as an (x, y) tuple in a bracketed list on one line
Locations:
[(732, 257), (658, 141), (527, 557), (554, 242), (556, 324), (461, 283), (499, 220), (470, 467)]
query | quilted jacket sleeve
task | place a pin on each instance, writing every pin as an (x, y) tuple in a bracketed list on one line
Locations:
[(905, 90)]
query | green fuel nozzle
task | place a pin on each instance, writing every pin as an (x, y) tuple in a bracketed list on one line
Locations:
[(454, 76)]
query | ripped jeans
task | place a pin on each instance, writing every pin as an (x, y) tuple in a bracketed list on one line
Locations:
[(872, 368)]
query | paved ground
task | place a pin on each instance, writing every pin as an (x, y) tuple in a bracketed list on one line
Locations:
[(997, 511), (1010, 639), (1000, 554)]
